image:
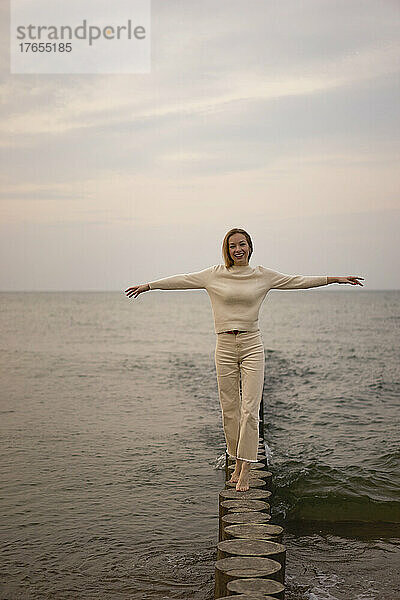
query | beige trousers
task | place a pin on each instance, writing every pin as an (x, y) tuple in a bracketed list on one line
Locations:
[(240, 361)]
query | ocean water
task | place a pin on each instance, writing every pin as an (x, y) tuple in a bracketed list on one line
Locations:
[(112, 445)]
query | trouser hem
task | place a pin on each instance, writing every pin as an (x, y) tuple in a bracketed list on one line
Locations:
[(238, 458)]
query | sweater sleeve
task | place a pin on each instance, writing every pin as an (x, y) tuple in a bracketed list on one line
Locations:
[(184, 281), (282, 281)]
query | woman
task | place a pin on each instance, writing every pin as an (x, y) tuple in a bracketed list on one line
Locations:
[(237, 291)]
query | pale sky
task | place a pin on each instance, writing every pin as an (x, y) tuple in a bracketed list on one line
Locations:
[(280, 117)]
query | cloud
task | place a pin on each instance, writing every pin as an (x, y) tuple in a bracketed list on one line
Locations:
[(90, 106)]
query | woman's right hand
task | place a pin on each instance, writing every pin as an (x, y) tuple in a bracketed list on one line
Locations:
[(137, 289)]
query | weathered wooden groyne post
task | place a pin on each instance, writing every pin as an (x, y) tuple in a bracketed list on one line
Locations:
[(251, 556)]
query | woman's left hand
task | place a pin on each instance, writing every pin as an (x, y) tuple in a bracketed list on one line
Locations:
[(352, 279)]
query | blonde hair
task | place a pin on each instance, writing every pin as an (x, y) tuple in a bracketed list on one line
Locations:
[(225, 245)]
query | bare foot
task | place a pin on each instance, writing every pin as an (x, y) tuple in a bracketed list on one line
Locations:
[(234, 477), (236, 473), (243, 481)]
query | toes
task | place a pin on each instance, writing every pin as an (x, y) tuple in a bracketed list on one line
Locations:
[(242, 487)]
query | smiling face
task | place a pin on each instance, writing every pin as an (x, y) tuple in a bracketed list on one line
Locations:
[(239, 249)]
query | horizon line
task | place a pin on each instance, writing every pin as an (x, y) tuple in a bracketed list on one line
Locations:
[(184, 290)]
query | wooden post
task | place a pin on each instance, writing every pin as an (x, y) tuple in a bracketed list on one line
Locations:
[(227, 506), (258, 586), (229, 569), (243, 517), (253, 531), (261, 548), (252, 494)]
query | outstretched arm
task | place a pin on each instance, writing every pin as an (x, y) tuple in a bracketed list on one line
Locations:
[(281, 281), (184, 281)]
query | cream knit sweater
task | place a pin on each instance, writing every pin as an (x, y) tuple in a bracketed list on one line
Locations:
[(237, 293)]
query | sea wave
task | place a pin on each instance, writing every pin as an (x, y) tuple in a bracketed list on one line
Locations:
[(323, 493)]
